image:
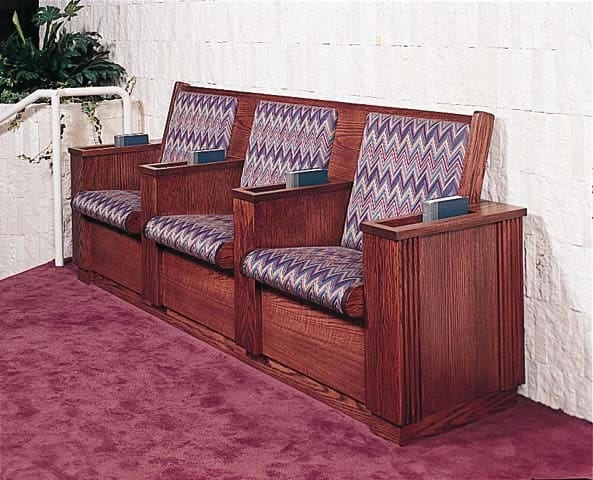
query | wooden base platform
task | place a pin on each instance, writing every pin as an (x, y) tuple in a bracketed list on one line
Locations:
[(439, 422)]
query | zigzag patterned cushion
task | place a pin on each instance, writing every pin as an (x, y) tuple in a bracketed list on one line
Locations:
[(198, 121), (403, 161), (322, 275), (287, 137), (200, 236), (114, 207)]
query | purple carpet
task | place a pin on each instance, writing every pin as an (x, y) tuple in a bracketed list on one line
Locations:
[(94, 388)]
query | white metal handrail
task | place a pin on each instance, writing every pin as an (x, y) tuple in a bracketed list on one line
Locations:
[(54, 96)]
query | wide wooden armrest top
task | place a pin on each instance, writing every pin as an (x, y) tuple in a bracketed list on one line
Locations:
[(410, 226), (110, 150), (182, 168), (280, 192)]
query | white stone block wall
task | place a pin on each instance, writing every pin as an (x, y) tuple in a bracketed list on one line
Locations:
[(529, 63), (26, 189)]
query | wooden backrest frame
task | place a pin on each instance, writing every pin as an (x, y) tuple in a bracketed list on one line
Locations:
[(349, 131)]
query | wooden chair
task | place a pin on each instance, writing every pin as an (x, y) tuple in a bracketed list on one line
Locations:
[(419, 323), (189, 222), (106, 200)]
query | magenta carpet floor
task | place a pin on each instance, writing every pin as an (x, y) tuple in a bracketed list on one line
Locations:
[(93, 388)]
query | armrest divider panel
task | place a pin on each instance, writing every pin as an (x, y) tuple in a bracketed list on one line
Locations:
[(444, 311)]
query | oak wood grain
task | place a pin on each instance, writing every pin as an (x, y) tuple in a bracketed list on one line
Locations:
[(509, 236), (458, 317), (199, 292), (105, 168), (191, 191), (386, 394), (314, 343), (116, 255), (482, 213), (316, 219), (248, 313), (476, 155)]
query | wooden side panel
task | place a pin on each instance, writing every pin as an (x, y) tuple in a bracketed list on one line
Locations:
[(315, 343), (111, 172), (510, 300), (116, 256), (118, 171), (152, 258), (248, 332), (411, 333), (199, 292), (385, 382), (206, 192), (458, 324)]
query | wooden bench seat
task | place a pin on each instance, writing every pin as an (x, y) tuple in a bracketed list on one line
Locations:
[(427, 331)]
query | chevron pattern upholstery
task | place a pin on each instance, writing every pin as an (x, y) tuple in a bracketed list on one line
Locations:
[(198, 121), (403, 161), (200, 236), (113, 207), (287, 137), (322, 275)]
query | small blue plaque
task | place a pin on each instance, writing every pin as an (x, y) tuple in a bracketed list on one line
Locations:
[(207, 156)]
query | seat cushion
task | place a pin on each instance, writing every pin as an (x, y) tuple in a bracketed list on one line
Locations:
[(286, 137), (403, 161), (198, 122), (201, 236), (328, 276), (118, 208)]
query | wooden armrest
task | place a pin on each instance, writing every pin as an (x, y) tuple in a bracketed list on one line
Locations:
[(182, 168), (280, 192), (279, 217), (181, 189), (411, 226), (442, 296), (106, 167), (110, 150), (275, 217)]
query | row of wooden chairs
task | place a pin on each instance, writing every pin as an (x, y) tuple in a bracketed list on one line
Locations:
[(411, 327)]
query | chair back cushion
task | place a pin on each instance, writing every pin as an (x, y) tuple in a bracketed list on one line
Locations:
[(403, 161), (287, 137), (198, 121)]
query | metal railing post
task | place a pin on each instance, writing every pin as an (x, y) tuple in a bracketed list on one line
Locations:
[(55, 96), (56, 156)]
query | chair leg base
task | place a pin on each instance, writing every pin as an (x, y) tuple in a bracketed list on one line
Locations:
[(86, 276), (444, 420), (433, 424)]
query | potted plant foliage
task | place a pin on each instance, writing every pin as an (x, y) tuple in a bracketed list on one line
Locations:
[(63, 58)]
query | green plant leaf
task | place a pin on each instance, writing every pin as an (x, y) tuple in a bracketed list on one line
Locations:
[(65, 59), (46, 16), (71, 10), (17, 25)]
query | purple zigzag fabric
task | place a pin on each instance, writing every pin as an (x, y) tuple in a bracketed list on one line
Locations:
[(322, 275), (108, 206), (200, 236), (403, 161), (287, 137), (198, 121)]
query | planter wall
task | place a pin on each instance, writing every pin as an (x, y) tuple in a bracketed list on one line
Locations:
[(26, 191)]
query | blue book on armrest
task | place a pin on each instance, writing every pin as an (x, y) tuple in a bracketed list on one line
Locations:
[(207, 156), (129, 139), (306, 178), (444, 207)]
